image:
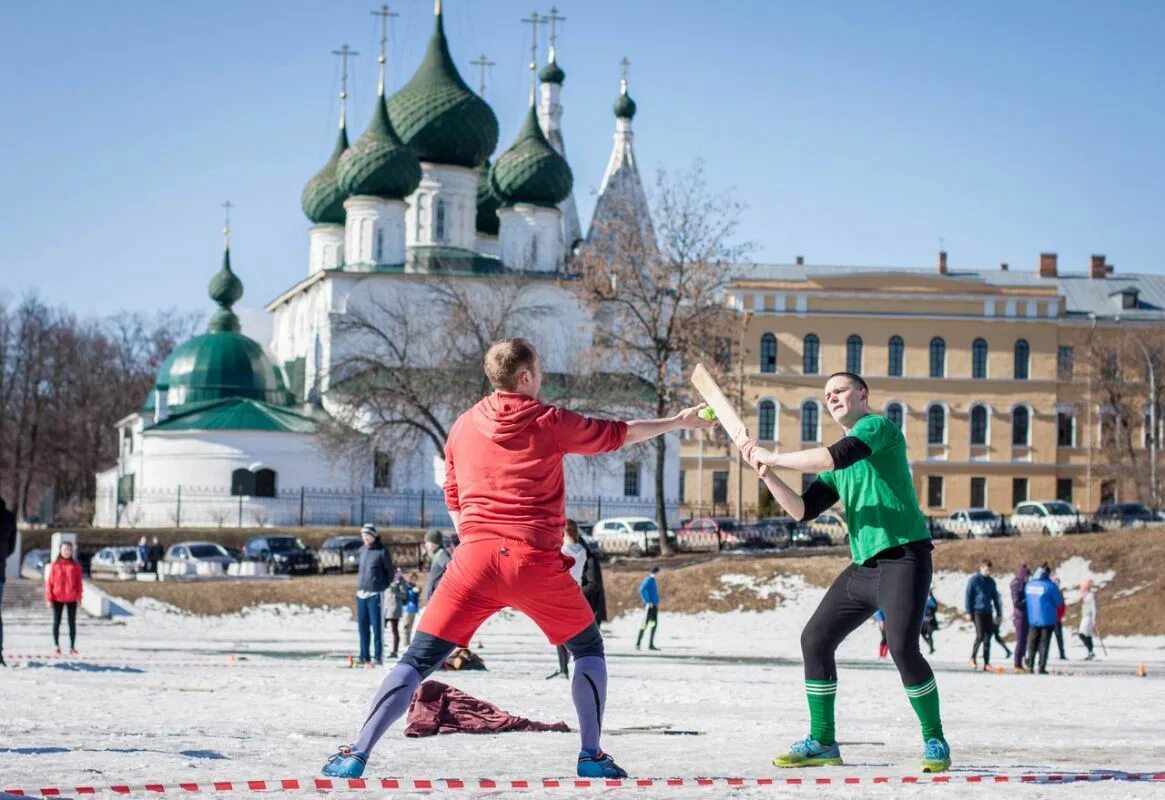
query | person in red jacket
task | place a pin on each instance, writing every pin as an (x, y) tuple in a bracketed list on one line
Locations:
[(505, 491), (62, 592)]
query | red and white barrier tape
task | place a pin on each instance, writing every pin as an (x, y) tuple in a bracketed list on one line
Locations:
[(413, 784)]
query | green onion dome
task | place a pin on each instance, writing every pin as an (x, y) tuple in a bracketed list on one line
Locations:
[(531, 171), (323, 199), (379, 164), (487, 202), (624, 106), (438, 115), (552, 73)]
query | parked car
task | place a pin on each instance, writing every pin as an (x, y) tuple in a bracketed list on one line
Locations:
[(33, 564), (115, 563), (340, 553), (777, 531), (634, 536), (827, 528), (1049, 517), (1123, 515), (199, 553), (716, 533), (282, 553), (976, 523)]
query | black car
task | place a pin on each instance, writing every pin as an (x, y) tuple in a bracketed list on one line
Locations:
[(1123, 515), (282, 554), (341, 553)]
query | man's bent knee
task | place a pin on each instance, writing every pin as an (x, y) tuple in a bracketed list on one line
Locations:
[(427, 653), (587, 643)]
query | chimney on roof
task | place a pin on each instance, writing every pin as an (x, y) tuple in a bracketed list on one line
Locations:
[(1003, 267), (1047, 265), (1098, 269), (942, 262), (800, 261)]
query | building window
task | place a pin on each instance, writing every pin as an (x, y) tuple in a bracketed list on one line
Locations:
[(979, 359), (683, 485), (979, 425), (1020, 426), (1065, 429), (1107, 492), (439, 220), (768, 353), (853, 354), (631, 479), (534, 253), (129, 440), (720, 486), (978, 492), (1064, 489), (378, 247), (1108, 429), (1109, 366), (381, 470), (807, 479), (934, 491), (265, 483), (242, 482), (894, 414), (1064, 363), (1147, 428), (125, 492), (811, 355), (1018, 491), (766, 428), (936, 425), (1022, 359), (810, 429), (894, 357), (938, 357)]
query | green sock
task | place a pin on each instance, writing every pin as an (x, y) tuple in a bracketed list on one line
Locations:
[(924, 698), (821, 695)]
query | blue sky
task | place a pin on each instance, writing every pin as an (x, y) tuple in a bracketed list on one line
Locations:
[(856, 133)]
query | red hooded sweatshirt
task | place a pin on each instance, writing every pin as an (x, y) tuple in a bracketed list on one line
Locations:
[(64, 582), (503, 466)]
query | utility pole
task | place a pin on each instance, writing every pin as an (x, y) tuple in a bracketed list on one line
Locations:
[(1152, 422)]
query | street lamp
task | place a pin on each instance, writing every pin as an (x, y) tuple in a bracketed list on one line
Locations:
[(1152, 422), (739, 454)]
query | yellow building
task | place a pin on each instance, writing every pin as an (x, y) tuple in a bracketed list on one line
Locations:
[(987, 372)]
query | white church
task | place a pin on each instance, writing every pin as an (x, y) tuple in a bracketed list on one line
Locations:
[(233, 432)]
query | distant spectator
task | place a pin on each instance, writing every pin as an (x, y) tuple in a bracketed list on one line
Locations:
[(984, 608), (649, 594), (373, 575), (1061, 610), (592, 582), (62, 592), (1019, 614), (576, 551), (1088, 614), (930, 621), (880, 622), (411, 607), (156, 554), (439, 560), (1043, 598), (394, 601), (143, 550), (7, 547)]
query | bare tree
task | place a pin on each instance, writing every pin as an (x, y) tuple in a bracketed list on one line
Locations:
[(657, 292)]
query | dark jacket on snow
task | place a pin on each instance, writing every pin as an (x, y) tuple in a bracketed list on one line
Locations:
[(376, 569), (983, 596)]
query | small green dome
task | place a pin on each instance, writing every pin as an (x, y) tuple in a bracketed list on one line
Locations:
[(487, 202), (531, 171), (379, 164), (438, 115), (323, 199), (552, 73), (624, 106)]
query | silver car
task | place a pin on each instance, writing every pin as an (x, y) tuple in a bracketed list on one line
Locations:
[(199, 552), (115, 563)]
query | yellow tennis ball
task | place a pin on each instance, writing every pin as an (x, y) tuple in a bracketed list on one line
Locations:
[(707, 413)]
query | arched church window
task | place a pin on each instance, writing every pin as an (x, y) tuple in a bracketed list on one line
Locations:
[(242, 482), (439, 221), (264, 483)]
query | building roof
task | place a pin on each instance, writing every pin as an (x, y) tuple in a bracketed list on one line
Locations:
[(487, 221), (531, 171), (323, 199), (379, 164), (237, 414)]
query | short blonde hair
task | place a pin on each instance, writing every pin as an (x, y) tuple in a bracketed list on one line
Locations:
[(505, 360)]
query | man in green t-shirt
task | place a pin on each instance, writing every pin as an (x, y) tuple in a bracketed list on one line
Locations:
[(868, 472)]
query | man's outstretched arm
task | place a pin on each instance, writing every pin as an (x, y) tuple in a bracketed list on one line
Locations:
[(640, 430)]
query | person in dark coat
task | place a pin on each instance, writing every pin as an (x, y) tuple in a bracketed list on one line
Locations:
[(395, 600), (1019, 614), (7, 547), (592, 582), (373, 575), (439, 560), (985, 609)]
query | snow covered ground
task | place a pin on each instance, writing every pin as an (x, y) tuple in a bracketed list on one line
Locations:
[(170, 698)]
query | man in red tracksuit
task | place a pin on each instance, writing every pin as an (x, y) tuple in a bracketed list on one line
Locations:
[(505, 491)]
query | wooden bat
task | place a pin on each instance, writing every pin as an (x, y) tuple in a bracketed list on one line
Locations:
[(725, 412)]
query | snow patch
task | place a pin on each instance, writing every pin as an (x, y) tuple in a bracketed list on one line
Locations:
[(785, 587), (1132, 591)]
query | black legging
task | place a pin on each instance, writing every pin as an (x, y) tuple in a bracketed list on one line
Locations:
[(897, 581), (71, 612), (984, 633)]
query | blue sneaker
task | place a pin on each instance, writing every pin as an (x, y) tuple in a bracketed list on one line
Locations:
[(810, 753), (347, 763), (936, 756), (599, 765)]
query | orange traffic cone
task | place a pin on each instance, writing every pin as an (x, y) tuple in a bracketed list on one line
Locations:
[(351, 661), (1141, 671)]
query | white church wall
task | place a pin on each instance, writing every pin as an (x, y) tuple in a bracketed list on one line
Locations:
[(443, 209), (531, 238), (325, 247)]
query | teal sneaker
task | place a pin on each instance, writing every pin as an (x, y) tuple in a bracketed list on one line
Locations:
[(346, 763), (810, 753), (936, 756), (599, 765)]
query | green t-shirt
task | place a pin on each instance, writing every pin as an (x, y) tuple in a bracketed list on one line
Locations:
[(881, 508)]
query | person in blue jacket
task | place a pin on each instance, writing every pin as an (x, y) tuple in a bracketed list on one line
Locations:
[(983, 607), (1043, 596), (649, 594)]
